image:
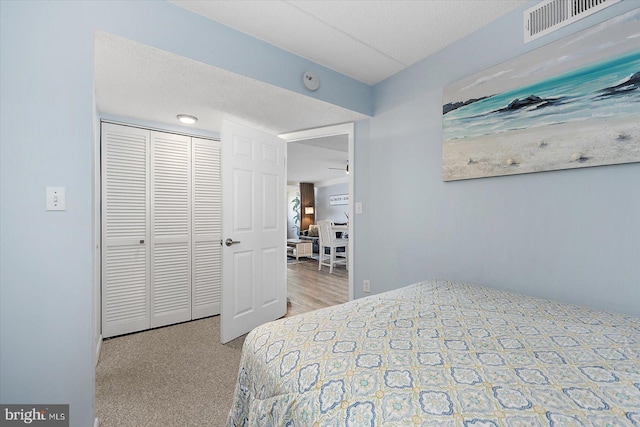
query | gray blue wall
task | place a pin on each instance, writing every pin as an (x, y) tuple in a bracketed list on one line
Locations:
[(324, 210), (570, 235), (567, 235), (47, 137)]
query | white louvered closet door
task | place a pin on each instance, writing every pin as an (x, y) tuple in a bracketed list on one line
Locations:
[(207, 228), (170, 228), (125, 234)]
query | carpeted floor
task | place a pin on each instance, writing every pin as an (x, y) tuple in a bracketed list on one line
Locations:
[(179, 376)]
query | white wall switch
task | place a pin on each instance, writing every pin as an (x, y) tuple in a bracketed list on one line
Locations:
[(56, 200), (366, 286), (358, 207)]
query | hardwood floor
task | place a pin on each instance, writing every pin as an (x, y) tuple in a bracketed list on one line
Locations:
[(309, 289)]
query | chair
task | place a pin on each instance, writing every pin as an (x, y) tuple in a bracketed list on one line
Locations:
[(329, 240)]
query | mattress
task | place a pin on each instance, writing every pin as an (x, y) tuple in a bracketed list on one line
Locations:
[(439, 353)]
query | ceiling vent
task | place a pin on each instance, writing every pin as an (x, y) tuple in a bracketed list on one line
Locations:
[(550, 15)]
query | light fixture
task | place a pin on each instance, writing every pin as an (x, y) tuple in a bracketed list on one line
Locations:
[(343, 169), (308, 210), (187, 119)]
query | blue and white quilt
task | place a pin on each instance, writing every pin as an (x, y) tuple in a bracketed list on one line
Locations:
[(439, 353)]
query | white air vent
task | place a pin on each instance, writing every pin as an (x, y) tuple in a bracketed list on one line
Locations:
[(549, 15)]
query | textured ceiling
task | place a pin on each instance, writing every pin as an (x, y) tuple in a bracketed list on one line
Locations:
[(142, 82), (366, 40)]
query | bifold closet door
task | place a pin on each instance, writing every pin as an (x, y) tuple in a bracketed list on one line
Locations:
[(207, 228), (125, 232), (161, 229), (170, 228)]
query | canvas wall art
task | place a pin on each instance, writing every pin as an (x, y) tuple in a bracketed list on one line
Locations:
[(569, 104)]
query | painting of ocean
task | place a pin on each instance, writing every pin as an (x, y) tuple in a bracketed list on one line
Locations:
[(570, 104)]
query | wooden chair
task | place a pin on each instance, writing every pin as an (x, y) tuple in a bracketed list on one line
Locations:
[(329, 240)]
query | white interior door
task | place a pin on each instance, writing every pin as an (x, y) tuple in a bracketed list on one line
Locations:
[(253, 196)]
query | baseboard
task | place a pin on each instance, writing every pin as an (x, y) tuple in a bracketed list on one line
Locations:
[(98, 348), (96, 423)]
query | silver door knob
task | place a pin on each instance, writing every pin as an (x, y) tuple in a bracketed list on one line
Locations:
[(230, 242)]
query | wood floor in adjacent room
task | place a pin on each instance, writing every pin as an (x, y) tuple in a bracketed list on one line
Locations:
[(181, 375), (309, 289)]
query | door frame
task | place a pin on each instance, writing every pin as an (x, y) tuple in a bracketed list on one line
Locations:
[(341, 129)]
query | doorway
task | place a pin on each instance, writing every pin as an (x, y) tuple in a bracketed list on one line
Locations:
[(346, 130)]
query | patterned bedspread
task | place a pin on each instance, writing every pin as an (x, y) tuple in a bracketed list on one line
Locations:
[(439, 353)]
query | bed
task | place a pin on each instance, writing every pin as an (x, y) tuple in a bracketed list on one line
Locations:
[(439, 353)]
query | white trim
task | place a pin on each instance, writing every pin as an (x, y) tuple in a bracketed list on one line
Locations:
[(345, 128), (96, 423), (97, 232), (341, 129), (98, 349)]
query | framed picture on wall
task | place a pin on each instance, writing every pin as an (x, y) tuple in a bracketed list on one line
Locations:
[(572, 103), (339, 199)]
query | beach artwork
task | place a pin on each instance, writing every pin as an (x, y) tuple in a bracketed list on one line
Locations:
[(572, 103)]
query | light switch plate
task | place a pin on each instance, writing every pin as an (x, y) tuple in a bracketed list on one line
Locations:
[(56, 200), (366, 286), (358, 208)]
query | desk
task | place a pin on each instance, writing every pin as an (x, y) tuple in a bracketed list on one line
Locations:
[(297, 248)]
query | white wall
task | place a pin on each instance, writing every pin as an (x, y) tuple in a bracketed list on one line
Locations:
[(569, 235), (47, 125)]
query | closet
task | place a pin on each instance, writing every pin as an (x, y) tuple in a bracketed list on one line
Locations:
[(161, 228)]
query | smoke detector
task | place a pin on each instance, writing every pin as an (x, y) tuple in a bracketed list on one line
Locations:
[(311, 80)]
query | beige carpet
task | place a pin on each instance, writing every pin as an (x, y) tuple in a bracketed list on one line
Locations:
[(173, 376)]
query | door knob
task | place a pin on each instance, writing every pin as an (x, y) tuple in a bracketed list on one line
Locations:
[(230, 242)]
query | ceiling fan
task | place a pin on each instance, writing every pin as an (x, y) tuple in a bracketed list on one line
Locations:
[(342, 169)]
